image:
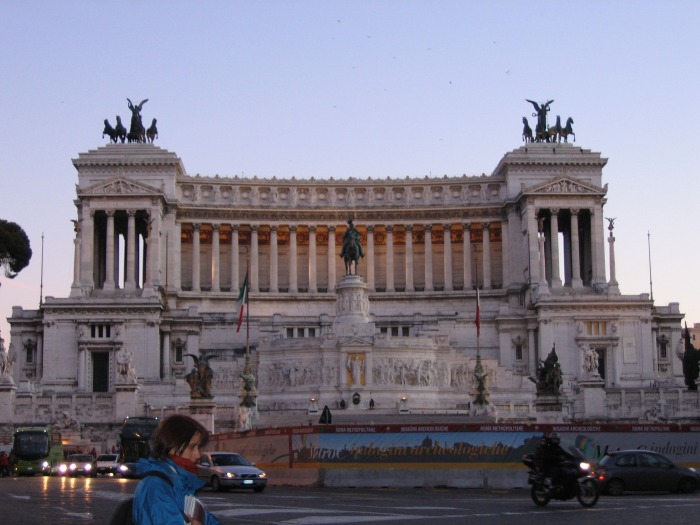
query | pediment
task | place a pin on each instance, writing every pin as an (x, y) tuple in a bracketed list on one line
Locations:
[(356, 341), (563, 186), (119, 186)]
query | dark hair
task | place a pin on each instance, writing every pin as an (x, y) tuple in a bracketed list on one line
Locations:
[(175, 433)]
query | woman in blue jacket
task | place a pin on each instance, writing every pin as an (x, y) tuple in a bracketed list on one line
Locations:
[(176, 447)]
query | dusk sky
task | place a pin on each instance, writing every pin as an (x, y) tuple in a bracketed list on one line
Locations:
[(357, 89)]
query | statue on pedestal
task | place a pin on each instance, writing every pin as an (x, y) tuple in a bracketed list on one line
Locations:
[(201, 377), (352, 249)]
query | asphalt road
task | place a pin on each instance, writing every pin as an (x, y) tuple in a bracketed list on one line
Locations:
[(57, 501)]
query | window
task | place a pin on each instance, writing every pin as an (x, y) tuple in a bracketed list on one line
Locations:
[(100, 331), (596, 328), (519, 352), (30, 348), (290, 333)]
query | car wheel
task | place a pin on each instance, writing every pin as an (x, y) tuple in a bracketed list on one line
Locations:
[(215, 484), (687, 486), (615, 487)]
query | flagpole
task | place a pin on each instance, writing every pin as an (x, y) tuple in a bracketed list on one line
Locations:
[(247, 319)]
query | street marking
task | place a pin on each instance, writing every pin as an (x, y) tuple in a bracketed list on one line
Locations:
[(17, 496)]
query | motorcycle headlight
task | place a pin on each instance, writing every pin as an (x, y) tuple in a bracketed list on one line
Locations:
[(584, 466)]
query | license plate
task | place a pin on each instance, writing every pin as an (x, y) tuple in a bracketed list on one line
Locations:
[(247, 481)]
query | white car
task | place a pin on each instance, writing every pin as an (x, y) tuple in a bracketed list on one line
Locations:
[(225, 470), (108, 464)]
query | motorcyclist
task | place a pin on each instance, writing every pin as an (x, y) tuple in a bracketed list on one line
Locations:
[(549, 457)]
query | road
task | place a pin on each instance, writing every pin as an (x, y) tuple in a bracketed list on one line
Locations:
[(58, 501)]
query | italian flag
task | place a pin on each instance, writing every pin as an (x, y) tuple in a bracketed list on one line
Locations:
[(242, 301)]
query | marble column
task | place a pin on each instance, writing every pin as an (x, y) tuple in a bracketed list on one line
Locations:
[(215, 259), (410, 286), (235, 259), (166, 355), (293, 285), (176, 254), (543, 288), (486, 256), (612, 283), (505, 252), (467, 255), (274, 271), (82, 356), (370, 258), (313, 270), (87, 281), (75, 287), (447, 257), (390, 258), (130, 283), (254, 270), (533, 243), (554, 246), (576, 281), (597, 240), (429, 258), (196, 261), (331, 258), (109, 255)]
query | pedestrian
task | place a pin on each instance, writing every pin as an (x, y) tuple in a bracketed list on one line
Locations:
[(93, 452), (175, 447), (4, 464)]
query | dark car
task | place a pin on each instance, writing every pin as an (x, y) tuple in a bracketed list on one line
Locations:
[(643, 470), (81, 465), (225, 470)]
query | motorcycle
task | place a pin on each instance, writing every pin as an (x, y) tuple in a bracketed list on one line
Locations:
[(576, 480)]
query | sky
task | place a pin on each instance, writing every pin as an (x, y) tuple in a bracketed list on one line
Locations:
[(356, 89)]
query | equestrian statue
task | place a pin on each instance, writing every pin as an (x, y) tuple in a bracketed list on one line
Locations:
[(352, 249)]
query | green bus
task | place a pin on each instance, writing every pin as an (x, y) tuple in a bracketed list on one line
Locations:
[(134, 443), (36, 450)]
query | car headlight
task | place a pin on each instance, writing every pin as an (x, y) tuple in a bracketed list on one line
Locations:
[(45, 464), (584, 466), (123, 468), (262, 475), (62, 468), (230, 474), (88, 467), (72, 466)]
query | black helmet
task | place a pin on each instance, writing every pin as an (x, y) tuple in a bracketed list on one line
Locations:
[(554, 438)]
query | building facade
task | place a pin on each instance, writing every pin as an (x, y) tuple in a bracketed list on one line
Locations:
[(160, 255)]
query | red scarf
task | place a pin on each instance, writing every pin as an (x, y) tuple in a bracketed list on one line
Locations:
[(187, 464)]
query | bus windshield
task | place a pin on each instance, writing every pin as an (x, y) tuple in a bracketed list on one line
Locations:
[(135, 435), (31, 445)]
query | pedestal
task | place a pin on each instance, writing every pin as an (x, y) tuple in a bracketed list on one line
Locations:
[(594, 398), (203, 410), (549, 409), (8, 392), (126, 401)]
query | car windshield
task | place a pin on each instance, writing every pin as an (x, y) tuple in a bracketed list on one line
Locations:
[(228, 460), (107, 457), (81, 458), (605, 460)]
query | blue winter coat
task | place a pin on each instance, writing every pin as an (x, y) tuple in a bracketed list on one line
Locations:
[(156, 502)]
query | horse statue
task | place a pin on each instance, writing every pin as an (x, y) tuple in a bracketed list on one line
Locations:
[(352, 249), (152, 132), (567, 130), (119, 131), (110, 132), (554, 133), (527, 131)]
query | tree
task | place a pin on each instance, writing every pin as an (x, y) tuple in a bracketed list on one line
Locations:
[(15, 250)]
